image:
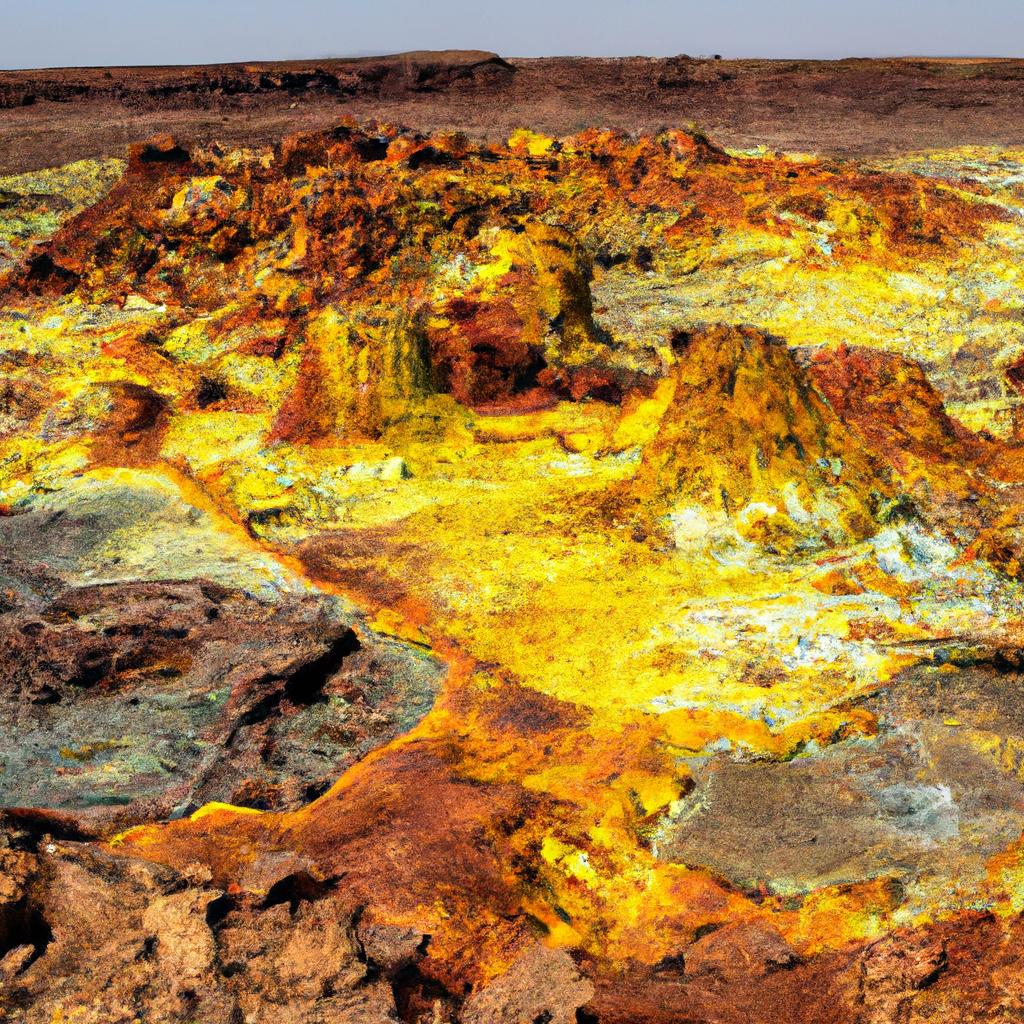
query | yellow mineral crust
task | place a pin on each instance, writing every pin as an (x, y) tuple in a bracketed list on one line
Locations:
[(641, 543)]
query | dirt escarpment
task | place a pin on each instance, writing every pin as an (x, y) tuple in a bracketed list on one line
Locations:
[(212, 85), (836, 107)]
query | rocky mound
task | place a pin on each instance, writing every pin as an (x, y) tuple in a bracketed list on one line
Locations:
[(892, 404), (747, 441), (395, 265), (315, 238), (964, 484)]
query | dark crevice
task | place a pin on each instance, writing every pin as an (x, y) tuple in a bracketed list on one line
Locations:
[(372, 150), (25, 827), (608, 392), (933, 976), (415, 994), (314, 790), (674, 963), (42, 270), (353, 933), (606, 260), (24, 925), (95, 667), (152, 154), (430, 157), (295, 888), (210, 391), (680, 342), (1004, 662), (787, 964), (306, 686), (525, 377), (303, 688), (644, 258), (217, 910)]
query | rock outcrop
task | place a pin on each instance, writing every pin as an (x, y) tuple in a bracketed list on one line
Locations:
[(747, 440)]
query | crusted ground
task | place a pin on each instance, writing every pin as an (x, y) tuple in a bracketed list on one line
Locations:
[(553, 580)]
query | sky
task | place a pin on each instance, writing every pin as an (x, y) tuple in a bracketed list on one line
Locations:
[(57, 33)]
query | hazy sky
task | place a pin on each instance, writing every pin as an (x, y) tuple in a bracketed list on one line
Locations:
[(38, 33)]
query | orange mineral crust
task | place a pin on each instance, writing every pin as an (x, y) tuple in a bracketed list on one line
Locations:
[(562, 580)]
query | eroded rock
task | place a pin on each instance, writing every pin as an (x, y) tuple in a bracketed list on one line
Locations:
[(541, 984), (142, 700)]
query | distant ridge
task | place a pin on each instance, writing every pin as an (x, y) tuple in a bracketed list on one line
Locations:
[(850, 107)]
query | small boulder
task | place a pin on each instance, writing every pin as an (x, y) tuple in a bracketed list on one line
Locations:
[(542, 984)]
